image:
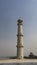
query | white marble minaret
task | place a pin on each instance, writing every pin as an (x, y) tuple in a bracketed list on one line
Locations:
[(20, 39)]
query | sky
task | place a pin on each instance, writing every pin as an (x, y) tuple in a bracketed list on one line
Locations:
[(10, 11)]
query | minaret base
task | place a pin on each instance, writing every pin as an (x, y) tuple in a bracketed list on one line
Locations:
[(20, 52)]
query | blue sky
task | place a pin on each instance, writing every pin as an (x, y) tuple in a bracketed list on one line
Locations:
[(10, 11)]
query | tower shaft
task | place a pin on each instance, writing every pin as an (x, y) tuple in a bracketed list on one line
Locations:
[(20, 40)]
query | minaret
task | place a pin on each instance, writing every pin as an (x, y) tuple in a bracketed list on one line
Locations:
[(20, 39)]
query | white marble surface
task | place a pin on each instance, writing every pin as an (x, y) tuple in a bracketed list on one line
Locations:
[(18, 61)]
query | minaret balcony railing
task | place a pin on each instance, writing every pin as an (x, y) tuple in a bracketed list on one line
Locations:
[(20, 46), (19, 34)]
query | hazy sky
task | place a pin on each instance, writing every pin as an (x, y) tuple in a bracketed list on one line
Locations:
[(10, 11)]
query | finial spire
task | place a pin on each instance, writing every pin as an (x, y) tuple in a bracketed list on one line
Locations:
[(19, 17)]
